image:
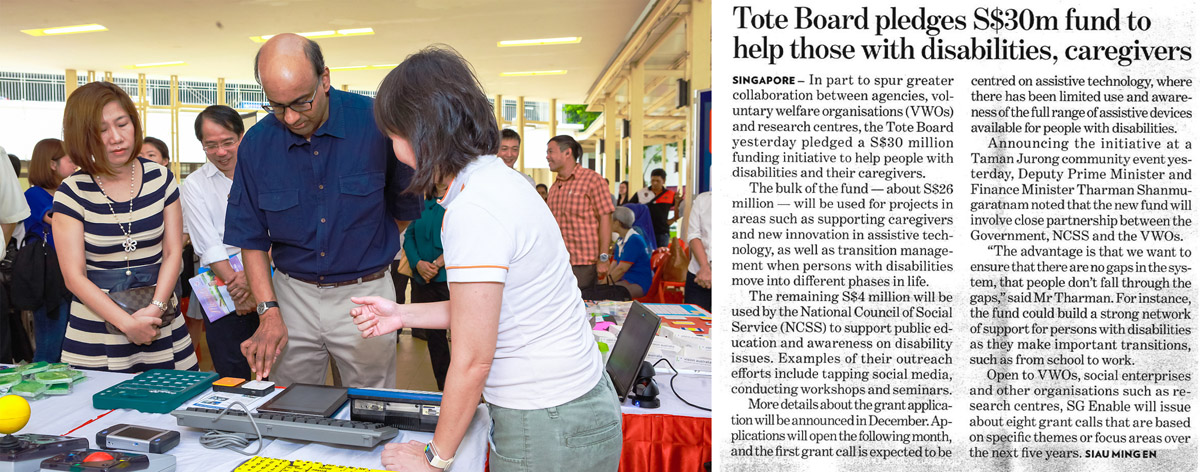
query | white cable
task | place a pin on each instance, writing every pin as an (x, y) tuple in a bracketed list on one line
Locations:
[(237, 442)]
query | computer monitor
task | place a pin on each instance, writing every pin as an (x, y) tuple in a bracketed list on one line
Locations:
[(625, 359)]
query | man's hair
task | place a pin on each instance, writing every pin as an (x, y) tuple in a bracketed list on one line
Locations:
[(659, 173), (160, 145), (542, 186), (222, 116), (564, 142), (508, 133), (434, 101), (624, 216), (312, 51), (81, 126), (16, 163), (40, 173)]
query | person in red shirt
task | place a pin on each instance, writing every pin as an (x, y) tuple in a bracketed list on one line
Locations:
[(582, 206)]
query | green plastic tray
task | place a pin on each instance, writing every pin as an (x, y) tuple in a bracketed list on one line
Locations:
[(154, 391)]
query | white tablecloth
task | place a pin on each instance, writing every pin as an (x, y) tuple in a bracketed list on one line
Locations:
[(694, 388), (73, 415)]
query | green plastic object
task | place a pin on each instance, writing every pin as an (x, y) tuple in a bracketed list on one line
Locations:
[(58, 366), (50, 378), (8, 380), (28, 389), (76, 376), (59, 389), (33, 368), (154, 391)]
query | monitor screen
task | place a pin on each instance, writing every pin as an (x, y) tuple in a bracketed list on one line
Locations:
[(306, 399), (625, 359)]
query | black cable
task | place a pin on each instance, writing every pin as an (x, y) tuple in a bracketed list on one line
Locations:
[(672, 383)]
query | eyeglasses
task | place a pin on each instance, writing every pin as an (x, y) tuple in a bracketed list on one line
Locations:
[(226, 145), (296, 106)]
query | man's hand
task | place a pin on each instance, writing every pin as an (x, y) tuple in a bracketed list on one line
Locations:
[(704, 277), (142, 327), (239, 288), (409, 456), (601, 270), (427, 270), (266, 344), (376, 316)]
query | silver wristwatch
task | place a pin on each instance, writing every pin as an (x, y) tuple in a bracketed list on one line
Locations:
[(604, 257), (160, 305), (264, 306)]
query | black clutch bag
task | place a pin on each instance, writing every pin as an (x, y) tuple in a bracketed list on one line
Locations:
[(135, 299)]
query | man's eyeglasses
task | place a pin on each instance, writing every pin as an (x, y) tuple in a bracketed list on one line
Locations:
[(227, 144), (297, 106)]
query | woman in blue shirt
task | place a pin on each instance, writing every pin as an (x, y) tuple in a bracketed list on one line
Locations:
[(48, 167)]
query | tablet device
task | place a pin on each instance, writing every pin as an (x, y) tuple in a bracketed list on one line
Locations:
[(307, 399), (625, 358)]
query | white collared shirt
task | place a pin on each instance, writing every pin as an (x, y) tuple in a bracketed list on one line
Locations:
[(700, 227), (205, 195), (13, 208)]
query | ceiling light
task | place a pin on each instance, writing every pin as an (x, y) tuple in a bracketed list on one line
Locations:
[(532, 73), (539, 42), (156, 64), (372, 67), (322, 34), (92, 28)]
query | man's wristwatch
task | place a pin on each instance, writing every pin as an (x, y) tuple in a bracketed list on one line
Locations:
[(264, 306), (431, 455), (604, 257)]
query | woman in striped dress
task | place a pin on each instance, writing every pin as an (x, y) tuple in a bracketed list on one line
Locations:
[(117, 225)]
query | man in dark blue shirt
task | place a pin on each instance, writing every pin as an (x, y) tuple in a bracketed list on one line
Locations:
[(318, 185)]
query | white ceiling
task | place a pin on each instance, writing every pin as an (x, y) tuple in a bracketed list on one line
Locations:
[(212, 36)]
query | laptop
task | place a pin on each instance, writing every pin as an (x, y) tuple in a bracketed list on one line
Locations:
[(625, 358)]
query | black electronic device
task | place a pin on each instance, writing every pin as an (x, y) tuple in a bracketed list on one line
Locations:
[(404, 409), (626, 357), (645, 389), (137, 438), (253, 388), (307, 399), (25, 452), (95, 460)]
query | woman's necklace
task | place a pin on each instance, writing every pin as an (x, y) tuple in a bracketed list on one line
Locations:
[(129, 244)]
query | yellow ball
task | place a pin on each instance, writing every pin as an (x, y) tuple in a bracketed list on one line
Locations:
[(14, 413)]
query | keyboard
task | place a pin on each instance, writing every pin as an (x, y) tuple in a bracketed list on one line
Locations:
[(269, 464), (288, 426)]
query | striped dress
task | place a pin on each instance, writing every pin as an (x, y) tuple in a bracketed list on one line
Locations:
[(88, 343)]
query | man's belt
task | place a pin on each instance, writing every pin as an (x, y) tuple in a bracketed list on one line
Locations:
[(366, 278)]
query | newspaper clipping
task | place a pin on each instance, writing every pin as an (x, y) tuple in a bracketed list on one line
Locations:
[(954, 236)]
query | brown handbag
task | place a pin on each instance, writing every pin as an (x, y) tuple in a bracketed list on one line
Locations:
[(135, 299)]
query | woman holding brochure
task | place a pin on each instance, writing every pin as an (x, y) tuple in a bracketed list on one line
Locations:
[(521, 337)]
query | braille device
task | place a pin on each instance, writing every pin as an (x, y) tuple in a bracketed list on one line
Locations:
[(130, 437)]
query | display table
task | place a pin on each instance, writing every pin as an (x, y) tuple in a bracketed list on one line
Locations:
[(73, 415), (673, 437)]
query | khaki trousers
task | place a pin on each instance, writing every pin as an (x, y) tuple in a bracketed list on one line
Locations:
[(319, 326)]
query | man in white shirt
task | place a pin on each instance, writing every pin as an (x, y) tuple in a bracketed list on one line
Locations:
[(698, 290), (205, 196), (510, 150), (13, 209)]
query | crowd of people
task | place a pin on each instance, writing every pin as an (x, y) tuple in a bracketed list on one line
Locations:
[(306, 217)]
